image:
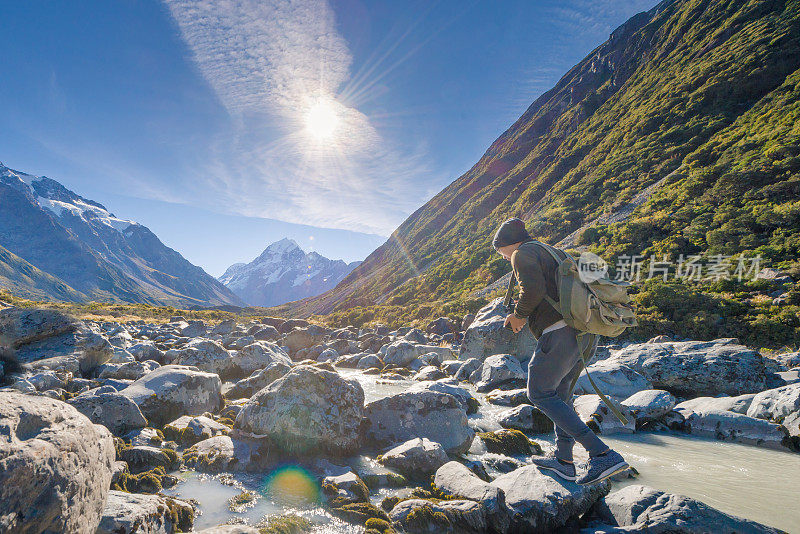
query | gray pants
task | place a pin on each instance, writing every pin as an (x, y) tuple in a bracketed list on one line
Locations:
[(555, 365)]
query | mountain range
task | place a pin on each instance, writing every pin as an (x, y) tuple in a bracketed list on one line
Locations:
[(678, 135), (284, 273), (57, 245)]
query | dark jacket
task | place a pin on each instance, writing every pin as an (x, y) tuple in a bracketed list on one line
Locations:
[(535, 270)]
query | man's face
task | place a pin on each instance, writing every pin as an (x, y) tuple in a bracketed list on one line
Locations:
[(506, 251)]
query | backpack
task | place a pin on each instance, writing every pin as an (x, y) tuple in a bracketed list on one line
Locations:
[(601, 307)]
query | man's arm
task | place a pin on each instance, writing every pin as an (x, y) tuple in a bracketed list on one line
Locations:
[(531, 282)]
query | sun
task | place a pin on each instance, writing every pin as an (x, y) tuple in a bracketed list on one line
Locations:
[(322, 120)]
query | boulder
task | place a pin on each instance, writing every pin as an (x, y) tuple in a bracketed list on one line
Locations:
[(467, 368), (738, 404), (429, 372), (442, 326), (487, 336), (328, 355), (525, 418), (174, 390), (79, 351), (188, 430), (259, 355), (419, 414), (499, 370), (510, 397), (146, 350), (45, 380), (370, 361), (22, 326), (776, 404), (224, 327), (247, 387), (206, 355), (116, 412), (638, 508), (194, 329), (456, 480), (217, 454), (697, 368), (308, 410), (731, 426), (416, 458), (445, 517), (415, 335), (649, 404), (401, 353), (303, 338), (469, 403), (134, 513), (615, 380), (346, 488), (543, 503), (594, 412), (129, 371), (142, 458), (55, 466)]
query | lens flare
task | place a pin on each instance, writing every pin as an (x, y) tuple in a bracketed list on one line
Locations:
[(292, 485)]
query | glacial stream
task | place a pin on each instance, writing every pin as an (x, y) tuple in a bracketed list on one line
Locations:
[(750, 482)]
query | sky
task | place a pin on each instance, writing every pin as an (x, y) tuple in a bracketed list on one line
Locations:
[(226, 125)]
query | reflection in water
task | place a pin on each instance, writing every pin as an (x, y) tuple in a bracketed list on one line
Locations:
[(747, 481)]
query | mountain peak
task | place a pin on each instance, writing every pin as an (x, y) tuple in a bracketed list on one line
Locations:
[(283, 245)]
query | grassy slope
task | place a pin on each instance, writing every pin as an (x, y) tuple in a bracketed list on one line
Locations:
[(701, 92), (26, 280)]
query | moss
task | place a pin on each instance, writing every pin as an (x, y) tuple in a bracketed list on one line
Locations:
[(119, 446), (182, 516), (378, 525), (425, 516), (146, 482), (472, 405), (174, 459), (389, 502), (285, 524), (359, 513), (242, 501), (509, 442)]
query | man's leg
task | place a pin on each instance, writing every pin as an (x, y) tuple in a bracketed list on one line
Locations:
[(554, 361)]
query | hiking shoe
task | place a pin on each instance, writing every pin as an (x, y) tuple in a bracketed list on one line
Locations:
[(551, 463), (602, 467)]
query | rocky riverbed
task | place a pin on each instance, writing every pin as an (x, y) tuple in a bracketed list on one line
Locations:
[(274, 425)]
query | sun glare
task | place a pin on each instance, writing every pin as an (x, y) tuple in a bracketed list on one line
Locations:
[(322, 120)]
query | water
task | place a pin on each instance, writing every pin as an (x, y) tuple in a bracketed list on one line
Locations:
[(750, 482)]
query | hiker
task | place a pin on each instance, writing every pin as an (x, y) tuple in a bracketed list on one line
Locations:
[(557, 361)]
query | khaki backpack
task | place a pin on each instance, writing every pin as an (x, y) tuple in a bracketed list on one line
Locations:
[(601, 307)]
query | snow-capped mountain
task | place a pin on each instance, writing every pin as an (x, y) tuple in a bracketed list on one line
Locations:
[(97, 255), (283, 273)]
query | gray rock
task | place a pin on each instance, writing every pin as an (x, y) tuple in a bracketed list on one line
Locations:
[(188, 430), (303, 338), (79, 351), (594, 412), (45, 380), (511, 397), (697, 368), (467, 320), (430, 372), (230, 529), (224, 327), (731, 426), (146, 350), (55, 466), (121, 356), (776, 404), (194, 329), (370, 361), (416, 458), (463, 395), (738, 404), (467, 368), (117, 413), (498, 370), (259, 355), (347, 488), (133, 513), (487, 336), (328, 355), (174, 390), (146, 457), (457, 480), (615, 380), (130, 371), (308, 410), (462, 517), (542, 503), (442, 326), (525, 418), (640, 508), (419, 414), (451, 367), (206, 355), (21, 326), (650, 404), (247, 387)]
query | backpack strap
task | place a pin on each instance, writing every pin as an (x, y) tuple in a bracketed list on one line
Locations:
[(561, 307), (590, 341)]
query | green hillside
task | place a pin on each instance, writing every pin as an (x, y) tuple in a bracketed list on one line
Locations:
[(679, 135), (27, 281)]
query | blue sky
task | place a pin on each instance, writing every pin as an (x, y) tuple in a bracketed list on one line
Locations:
[(224, 126)]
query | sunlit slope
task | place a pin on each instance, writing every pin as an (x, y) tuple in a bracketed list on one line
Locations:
[(693, 103)]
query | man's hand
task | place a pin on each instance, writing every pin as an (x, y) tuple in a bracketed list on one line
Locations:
[(515, 322)]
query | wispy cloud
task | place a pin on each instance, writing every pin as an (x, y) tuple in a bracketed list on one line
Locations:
[(270, 62)]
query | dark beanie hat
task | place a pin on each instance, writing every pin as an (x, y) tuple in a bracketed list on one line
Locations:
[(510, 232)]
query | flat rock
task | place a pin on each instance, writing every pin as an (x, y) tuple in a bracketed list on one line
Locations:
[(446, 517), (308, 410), (448, 385), (21, 326), (615, 380), (594, 412), (419, 414), (737, 404), (79, 351), (736, 427), (174, 390), (487, 336), (134, 513), (650, 404), (543, 503), (525, 418), (130, 371), (776, 404), (55, 466), (510, 397), (640, 508), (697, 368)]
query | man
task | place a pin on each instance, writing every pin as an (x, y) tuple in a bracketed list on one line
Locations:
[(556, 362)]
